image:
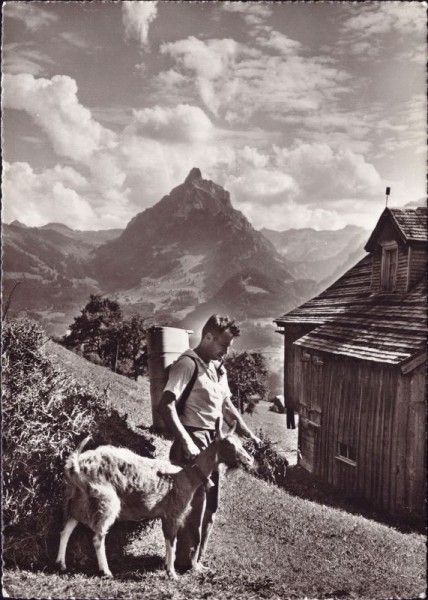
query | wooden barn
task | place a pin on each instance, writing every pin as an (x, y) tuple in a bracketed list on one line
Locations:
[(355, 370)]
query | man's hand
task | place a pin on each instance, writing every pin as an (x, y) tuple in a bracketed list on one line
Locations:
[(256, 440), (190, 448)]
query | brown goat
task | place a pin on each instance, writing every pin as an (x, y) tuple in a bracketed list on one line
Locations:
[(109, 484)]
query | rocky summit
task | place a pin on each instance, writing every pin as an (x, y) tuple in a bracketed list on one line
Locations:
[(196, 223), (187, 256)]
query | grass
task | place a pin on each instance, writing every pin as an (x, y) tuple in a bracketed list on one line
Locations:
[(130, 398), (266, 543)]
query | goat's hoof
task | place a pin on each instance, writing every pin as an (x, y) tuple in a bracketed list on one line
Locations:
[(172, 575), (199, 568), (60, 567), (106, 575)]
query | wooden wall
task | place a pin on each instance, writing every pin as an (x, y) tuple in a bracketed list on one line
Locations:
[(292, 366), (376, 410), (418, 265)]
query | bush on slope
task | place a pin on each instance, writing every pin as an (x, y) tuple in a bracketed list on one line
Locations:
[(46, 413)]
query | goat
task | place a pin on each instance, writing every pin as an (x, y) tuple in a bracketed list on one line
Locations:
[(109, 484)]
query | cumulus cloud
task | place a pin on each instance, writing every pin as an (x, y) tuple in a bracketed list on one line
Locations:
[(31, 14), (289, 214), (154, 167), (53, 195), (183, 123), (54, 106), (262, 185), (137, 17), (61, 194), (305, 185), (326, 174)]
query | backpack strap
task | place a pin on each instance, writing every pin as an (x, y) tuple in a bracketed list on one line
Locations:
[(187, 390)]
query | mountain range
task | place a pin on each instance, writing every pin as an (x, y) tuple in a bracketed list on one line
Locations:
[(189, 255), (319, 255)]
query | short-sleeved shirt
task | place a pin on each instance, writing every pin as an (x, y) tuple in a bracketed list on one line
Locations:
[(205, 402)]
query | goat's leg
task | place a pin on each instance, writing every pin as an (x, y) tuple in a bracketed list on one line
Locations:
[(65, 536), (100, 548), (106, 506), (170, 534), (171, 546)]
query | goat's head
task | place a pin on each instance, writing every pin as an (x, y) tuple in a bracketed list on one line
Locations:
[(230, 450)]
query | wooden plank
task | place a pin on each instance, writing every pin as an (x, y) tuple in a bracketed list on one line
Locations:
[(414, 363), (401, 441), (367, 427), (395, 423), (361, 429), (377, 403), (363, 353), (409, 269), (390, 401), (382, 476), (417, 442)]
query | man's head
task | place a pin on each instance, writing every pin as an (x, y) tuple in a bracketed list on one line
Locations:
[(217, 336)]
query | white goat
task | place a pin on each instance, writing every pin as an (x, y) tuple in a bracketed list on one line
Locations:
[(109, 484)]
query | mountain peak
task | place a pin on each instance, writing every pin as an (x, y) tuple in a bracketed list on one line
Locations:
[(17, 223), (57, 227), (195, 174)]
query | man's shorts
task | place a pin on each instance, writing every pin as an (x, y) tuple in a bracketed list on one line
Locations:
[(202, 438)]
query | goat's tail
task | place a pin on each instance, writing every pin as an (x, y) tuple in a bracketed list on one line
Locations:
[(72, 464)]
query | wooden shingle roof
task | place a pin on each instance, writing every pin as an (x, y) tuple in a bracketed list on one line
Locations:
[(410, 224), (391, 331), (413, 223), (386, 328), (349, 291)]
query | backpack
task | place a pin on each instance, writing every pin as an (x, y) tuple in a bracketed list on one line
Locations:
[(181, 401)]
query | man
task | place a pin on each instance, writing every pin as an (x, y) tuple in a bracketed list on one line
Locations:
[(194, 429)]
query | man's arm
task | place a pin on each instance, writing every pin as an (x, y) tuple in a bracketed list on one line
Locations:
[(168, 411), (231, 414)]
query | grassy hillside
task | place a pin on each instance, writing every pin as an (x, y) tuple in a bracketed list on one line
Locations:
[(266, 543), (127, 395)]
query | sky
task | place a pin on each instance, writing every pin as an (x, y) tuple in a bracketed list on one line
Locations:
[(303, 111)]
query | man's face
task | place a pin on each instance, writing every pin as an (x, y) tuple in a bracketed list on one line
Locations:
[(220, 344)]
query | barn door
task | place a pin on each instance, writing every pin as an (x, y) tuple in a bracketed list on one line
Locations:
[(310, 410), (308, 437)]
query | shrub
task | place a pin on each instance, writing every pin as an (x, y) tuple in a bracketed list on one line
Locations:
[(270, 465), (46, 412)]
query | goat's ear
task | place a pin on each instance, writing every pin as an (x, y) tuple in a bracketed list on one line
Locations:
[(218, 431), (232, 429)]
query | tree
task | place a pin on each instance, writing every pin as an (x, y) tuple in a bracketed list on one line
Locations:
[(133, 345), (247, 376), (97, 330)]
